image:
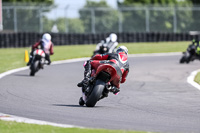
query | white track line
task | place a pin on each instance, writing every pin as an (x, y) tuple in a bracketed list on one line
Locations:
[(12, 71), (191, 81), (7, 117), (53, 63)]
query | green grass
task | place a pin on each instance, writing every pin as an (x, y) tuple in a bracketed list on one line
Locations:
[(14, 127), (161, 47), (11, 58), (197, 78)]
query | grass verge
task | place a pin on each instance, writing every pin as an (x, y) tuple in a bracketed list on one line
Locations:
[(11, 58), (14, 127), (197, 78)]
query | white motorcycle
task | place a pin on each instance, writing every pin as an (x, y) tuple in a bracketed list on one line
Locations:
[(38, 61)]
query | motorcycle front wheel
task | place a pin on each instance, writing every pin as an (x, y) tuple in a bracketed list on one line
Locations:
[(95, 94), (183, 59)]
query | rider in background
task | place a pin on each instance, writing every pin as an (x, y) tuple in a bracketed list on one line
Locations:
[(45, 44), (197, 47), (120, 57), (110, 43)]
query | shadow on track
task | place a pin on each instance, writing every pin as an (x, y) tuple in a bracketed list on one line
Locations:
[(22, 75), (64, 105), (77, 106)]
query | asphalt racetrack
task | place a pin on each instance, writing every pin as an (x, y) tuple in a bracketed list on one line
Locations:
[(156, 97)]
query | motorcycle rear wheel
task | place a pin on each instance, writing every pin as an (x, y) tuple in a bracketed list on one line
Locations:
[(95, 94)]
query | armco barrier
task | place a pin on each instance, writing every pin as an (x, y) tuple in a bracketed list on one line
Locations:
[(26, 39)]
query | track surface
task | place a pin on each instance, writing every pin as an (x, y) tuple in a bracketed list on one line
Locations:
[(156, 97)]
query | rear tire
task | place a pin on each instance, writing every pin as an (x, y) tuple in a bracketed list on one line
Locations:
[(95, 94)]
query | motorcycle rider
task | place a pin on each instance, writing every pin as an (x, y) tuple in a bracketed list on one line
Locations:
[(46, 44), (197, 47), (120, 57), (110, 43)]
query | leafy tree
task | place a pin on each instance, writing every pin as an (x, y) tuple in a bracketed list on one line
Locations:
[(106, 20), (26, 19), (159, 20), (195, 15), (48, 24), (161, 2), (73, 25)]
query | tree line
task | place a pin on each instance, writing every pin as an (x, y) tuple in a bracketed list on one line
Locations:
[(106, 19)]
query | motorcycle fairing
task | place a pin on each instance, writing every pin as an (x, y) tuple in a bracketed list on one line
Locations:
[(106, 68)]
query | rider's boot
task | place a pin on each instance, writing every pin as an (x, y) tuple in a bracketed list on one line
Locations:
[(30, 60), (85, 82), (115, 90), (47, 57), (49, 62)]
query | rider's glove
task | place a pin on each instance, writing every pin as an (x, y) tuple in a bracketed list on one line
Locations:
[(114, 90)]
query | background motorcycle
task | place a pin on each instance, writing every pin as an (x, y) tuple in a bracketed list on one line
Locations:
[(102, 50), (38, 61), (189, 54), (101, 82)]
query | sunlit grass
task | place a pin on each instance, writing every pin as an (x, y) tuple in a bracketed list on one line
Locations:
[(161, 47), (197, 78), (14, 127)]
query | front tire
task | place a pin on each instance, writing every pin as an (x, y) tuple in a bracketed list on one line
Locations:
[(95, 94), (81, 101), (32, 73), (34, 68), (182, 60), (188, 59)]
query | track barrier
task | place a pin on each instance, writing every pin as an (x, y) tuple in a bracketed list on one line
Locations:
[(26, 39)]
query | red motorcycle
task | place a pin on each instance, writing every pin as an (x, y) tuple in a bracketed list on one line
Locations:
[(107, 75)]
